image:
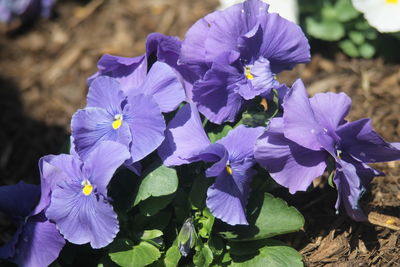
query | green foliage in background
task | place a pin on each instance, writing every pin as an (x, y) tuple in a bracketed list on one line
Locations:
[(338, 21)]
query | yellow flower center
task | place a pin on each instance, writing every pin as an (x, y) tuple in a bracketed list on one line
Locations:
[(87, 187), (117, 121), (392, 1), (229, 169), (247, 73)]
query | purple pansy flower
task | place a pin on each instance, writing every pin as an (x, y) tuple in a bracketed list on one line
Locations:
[(77, 191), (295, 148), (237, 53), (135, 120), (34, 230), (25, 9), (233, 159), (163, 51)]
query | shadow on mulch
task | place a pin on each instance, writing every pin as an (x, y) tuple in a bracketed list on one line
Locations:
[(23, 140)]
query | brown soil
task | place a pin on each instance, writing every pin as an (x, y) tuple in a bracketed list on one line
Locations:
[(43, 81)]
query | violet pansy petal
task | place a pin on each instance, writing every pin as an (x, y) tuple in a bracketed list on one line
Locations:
[(82, 219), (212, 153), (130, 72), (7, 251), (264, 79), (254, 11), (147, 125), (18, 200), (351, 180), (117, 65), (162, 83), (330, 109), (38, 233), (231, 24), (193, 52), (227, 197), (5, 13), (68, 164), (225, 29), (104, 93), (209, 37), (288, 163), (54, 169), (360, 140), (396, 145), (262, 83), (184, 137), (218, 153), (102, 162), (224, 205), (92, 125), (233, 142), (165, 48), (26, 9), (47, 5), (135, 167), (284, 43), (249, 44), (72, 150), (216, 94), (301, 125)]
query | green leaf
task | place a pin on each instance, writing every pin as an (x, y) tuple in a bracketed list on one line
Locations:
[(396, 35), (198, 193), (216, 245), (215, 136), (268, 216), (362, 25), (266, 253), (261, 118), (370, 34), (181, 205), (326, 30), (357, 37), (105, 261), (349, 48), (153, 205), (331, 169), (207, 222), (330, 178), (172, 257), (367, 50), (122, 190), (125, 254), (160, 181), (204, 256), (328, 12), (158, 221), (151, 234), (345, 11)]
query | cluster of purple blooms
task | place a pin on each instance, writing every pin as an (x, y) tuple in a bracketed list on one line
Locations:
[(24, 9), (227, 59)]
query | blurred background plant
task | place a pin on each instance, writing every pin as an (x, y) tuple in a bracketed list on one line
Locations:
[(338, 22)]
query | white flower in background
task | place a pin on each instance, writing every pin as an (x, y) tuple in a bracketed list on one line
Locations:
[(384, 15), (288, 9)]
